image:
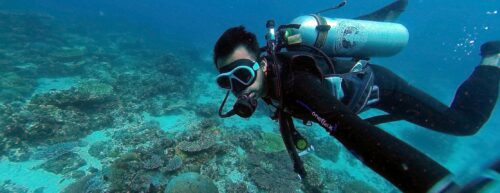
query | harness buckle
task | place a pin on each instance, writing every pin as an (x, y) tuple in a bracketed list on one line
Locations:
[(359, 66), (374, 95)]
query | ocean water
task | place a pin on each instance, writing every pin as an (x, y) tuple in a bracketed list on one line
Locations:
[(119, 95)]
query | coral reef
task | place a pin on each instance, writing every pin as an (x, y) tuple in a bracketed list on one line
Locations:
[(34, 40), (170, 63), (123, 171), (242, 138), (316, 179), (3, 148), (55, 150), (236, 187), (129, 173), (272, 172), (326, 148), (191, 183), (105, 149), (44, 123), (56, 117), (66, 54), (163, 78), (14, 87), (198, 145), (92, 183), (174, 164), (152, 163), (8, 186), (86, 96), (18, 154), (140, 169), (145, 135), (25, 28), (153, 159), (270, 143), (206, 110), (64, 164)]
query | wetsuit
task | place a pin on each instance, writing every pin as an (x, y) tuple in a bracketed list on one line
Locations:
[(404, 166)]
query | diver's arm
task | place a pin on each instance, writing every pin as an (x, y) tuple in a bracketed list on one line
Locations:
[(398, 162)]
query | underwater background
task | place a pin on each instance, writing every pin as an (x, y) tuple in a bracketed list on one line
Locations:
[(119, 95)]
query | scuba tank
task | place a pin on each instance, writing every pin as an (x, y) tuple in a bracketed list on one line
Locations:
[(348, 37)]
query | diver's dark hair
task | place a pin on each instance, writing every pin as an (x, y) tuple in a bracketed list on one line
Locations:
[(231, 39)]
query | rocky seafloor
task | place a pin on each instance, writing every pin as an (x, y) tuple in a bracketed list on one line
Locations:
[(103, 111)]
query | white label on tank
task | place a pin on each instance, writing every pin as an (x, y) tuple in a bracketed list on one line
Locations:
[(349, 37)]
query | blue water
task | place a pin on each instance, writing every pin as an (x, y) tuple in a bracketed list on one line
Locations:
[(443, 50)]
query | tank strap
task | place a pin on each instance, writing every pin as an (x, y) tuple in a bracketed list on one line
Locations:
[(322, 29)]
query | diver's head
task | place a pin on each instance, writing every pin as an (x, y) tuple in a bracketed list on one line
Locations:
[(235, 49), (236, 57)]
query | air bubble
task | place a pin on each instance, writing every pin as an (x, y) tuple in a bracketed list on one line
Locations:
[(494, 12)]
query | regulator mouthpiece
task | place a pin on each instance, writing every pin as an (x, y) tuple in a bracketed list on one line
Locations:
[(244, 107)]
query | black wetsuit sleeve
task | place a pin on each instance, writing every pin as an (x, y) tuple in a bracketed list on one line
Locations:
[(398, 162)]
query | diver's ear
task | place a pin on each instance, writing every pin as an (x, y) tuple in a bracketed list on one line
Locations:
[(263, 64)]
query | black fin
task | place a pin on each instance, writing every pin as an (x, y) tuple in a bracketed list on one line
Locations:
[(490, 48), (388, 13)]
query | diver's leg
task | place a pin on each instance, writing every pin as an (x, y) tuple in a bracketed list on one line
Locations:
[(471, 108)]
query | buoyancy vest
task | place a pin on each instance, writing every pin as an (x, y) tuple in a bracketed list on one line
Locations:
[(351, 82)]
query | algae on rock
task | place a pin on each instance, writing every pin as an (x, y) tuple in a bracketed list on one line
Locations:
[(270, 143)]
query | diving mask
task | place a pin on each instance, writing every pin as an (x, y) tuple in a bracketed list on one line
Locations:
[(236, 77)]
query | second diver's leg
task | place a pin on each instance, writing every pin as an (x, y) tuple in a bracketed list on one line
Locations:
[(474, 101), (490, 53)]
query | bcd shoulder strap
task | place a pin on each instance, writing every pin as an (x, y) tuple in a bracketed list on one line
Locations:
[(300, 60)]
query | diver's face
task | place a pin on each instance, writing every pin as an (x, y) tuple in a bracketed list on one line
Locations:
[(257, 88)]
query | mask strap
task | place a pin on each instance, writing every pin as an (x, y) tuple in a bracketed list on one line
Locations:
[(228, 114)]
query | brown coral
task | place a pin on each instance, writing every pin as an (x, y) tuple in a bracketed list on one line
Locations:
[(173, 164), (153, 163), (203, 143)]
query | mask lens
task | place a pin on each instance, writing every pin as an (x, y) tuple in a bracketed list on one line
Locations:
[(237, 75), (223, 82), (244, 75), (238, 86)]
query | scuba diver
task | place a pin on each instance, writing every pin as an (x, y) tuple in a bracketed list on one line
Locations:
[(302, 73)]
